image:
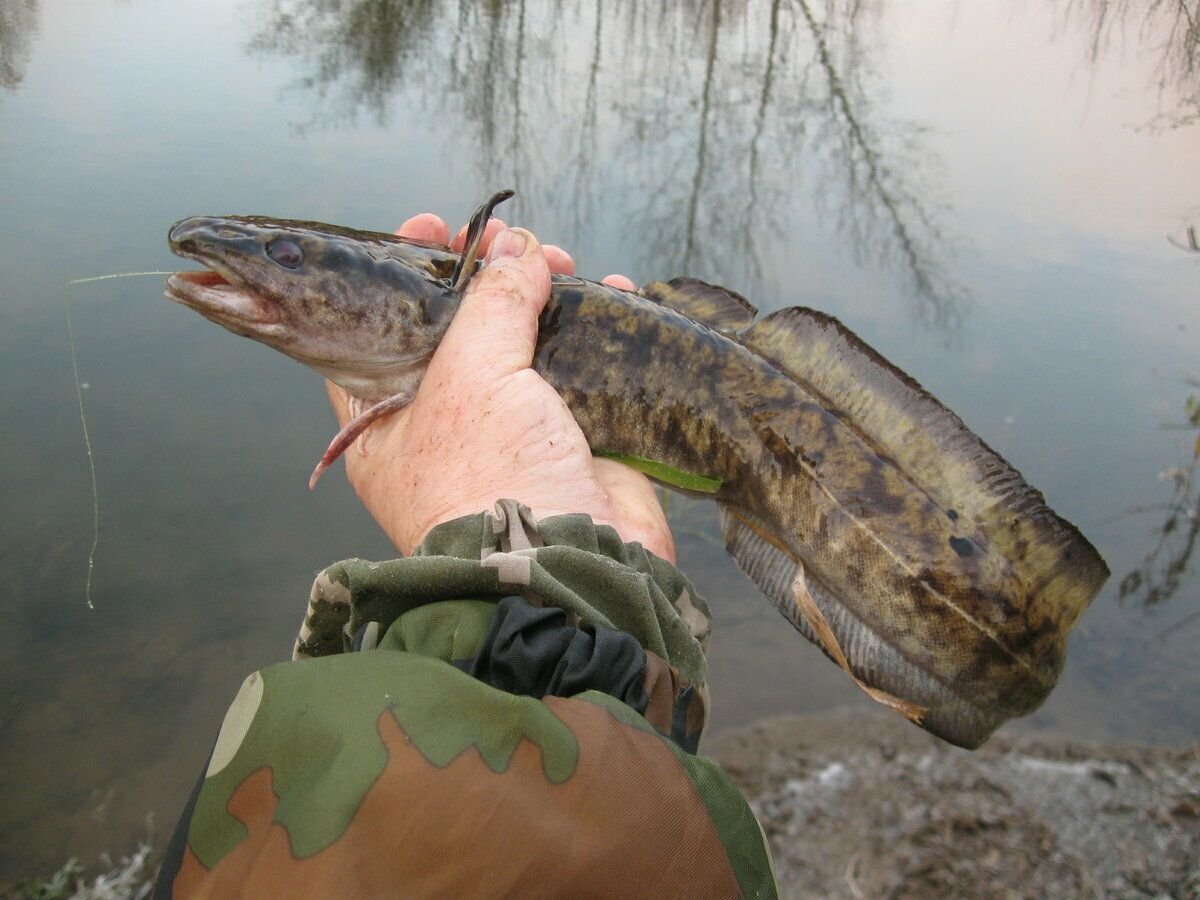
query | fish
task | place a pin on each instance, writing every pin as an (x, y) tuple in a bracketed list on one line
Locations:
[(872, 517)]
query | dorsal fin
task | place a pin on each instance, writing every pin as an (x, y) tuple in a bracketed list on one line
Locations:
[(466, 263), (719, 308), (936, 451)]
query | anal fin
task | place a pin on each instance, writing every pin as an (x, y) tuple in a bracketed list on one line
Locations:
[(781, 576)]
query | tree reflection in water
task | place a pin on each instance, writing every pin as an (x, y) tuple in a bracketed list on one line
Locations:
[(1168, 29), (715, 122), (1165, 566), (18, 25), (365, 47), (722, 119)]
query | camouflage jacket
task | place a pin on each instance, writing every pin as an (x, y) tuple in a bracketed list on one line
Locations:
[(512, 711)]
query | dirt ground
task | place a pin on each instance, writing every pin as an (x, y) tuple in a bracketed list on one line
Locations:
[(859, 804)]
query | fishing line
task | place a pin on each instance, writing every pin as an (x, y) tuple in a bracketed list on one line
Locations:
[(87, 440)]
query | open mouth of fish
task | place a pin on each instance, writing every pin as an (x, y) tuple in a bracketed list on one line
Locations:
[(216, 297), (223, 301)]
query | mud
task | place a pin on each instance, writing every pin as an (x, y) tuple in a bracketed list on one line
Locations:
[(857, 804)]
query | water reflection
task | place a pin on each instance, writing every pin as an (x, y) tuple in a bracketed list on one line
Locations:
[(888, 174), (18, 25), (363, 47), (1168, 29), (708, 111), (1190, 240), (207, 546), (1164, 568)]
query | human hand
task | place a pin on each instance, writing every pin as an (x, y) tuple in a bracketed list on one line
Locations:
[(484, 425)]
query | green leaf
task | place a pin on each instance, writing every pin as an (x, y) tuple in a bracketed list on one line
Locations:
[(668, 475)]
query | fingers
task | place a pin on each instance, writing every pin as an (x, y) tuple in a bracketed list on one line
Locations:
[(559, 260), (617, 281), (431, 228), (494, 332), (425, 227), (493, 228)]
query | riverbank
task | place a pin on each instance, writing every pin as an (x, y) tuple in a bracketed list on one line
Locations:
[(862, 804)]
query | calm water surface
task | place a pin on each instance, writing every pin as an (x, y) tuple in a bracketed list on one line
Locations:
[(995, 197)]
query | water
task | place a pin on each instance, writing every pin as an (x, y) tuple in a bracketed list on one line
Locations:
[(984, 193)]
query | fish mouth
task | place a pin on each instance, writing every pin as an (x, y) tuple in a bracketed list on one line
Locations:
[(217, 298)]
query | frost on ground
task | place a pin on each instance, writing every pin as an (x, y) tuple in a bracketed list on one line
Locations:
[(865, 805), (130, 878)]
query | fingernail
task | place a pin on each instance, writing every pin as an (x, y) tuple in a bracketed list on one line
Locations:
[(508, 244)]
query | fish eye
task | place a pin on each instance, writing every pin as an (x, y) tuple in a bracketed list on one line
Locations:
[(287, 253)]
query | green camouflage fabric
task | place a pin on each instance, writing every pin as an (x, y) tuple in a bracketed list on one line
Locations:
[(566, 562), (394, 771)]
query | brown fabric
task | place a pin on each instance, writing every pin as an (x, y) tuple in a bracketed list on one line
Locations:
[(588, 834), (662, 685)]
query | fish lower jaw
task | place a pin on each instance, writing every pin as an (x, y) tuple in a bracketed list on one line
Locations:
[(215, 298)]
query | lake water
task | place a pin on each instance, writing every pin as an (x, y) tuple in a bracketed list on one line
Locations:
[(995, 196)]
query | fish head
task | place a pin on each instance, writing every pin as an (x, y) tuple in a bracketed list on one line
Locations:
[(362, 308)]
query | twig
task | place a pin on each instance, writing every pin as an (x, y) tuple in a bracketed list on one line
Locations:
[(1186, 620), (851, 882)]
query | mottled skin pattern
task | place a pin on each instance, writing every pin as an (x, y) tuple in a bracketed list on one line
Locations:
[(960, 596), (366, 310), (705, 403)]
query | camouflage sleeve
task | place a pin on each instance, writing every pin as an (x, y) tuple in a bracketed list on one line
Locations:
[(513, 710)]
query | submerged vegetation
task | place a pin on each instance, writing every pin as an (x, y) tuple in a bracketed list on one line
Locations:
[(1163, 568)]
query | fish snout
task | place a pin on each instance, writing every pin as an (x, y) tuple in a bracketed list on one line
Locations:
[(208, 238), (184, 233)]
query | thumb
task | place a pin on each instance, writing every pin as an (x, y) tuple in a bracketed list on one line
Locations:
[(494, 332)]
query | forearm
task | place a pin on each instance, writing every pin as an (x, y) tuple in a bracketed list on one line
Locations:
[(513, 686)]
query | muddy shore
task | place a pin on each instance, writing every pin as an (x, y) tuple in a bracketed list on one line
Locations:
[(861, 804)]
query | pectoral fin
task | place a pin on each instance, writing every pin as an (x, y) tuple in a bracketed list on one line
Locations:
[(781, 576), (466, 263), (356, 426)]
